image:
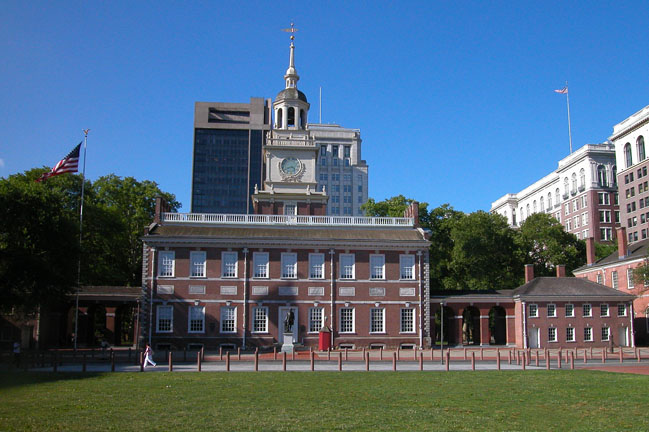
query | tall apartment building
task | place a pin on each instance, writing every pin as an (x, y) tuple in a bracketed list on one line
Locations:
[(227, 156), (628, 138), (581, 194)]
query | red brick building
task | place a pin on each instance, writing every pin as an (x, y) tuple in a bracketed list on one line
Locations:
[(616, 271)]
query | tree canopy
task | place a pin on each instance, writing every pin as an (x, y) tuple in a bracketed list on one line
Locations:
[(39, 234)]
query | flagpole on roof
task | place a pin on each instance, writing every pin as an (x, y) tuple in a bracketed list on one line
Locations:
[(83, 187)]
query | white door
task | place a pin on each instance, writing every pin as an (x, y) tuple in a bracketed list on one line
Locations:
[(622, 339), (534, 338), (283, 311)]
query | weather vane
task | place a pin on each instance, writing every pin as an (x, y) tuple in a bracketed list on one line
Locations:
[(291, 30)]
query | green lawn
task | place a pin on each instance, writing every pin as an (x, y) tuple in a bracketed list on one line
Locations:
[(531, 400)]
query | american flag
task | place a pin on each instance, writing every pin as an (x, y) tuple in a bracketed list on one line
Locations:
[(562, 91), (68, 164)]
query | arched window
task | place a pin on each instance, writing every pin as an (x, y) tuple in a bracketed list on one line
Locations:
[(278, 116), (541, 204), (557, 196), (302, 119), (514, 217), (565, 187), (640, 146), (291, 117), (582, 179), (614, 175), (627, 155), (527, 207), (574, 183), (534, 206), (601, 176), (549, 201), (522, 215)]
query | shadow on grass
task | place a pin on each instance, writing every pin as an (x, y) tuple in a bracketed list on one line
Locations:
[(10, 379)]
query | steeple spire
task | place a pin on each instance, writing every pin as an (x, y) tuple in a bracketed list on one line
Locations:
[(291, 75)]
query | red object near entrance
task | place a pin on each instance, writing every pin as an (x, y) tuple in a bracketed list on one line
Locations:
[(324, 342)]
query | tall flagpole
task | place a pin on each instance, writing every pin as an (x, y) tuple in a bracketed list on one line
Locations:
[(83, 188), (567, 102)]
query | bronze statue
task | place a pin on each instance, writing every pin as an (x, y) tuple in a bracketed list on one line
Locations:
[(288, 321)]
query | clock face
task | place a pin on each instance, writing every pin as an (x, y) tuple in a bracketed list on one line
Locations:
[(290, 166)]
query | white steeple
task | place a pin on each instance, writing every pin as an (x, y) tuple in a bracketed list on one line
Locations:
[(291, 107)]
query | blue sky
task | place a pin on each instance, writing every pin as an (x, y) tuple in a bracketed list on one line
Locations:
[(454, 100)]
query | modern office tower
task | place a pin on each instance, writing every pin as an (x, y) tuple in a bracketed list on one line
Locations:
[(227, 162)]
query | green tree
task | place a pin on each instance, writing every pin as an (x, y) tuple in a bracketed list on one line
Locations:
[(394, 207), (484, 254), (544, 243), (602, 250), (133, 204), (39, 243), (440, 222)]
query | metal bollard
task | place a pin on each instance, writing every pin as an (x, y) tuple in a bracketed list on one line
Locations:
[(274, 353), (328, 354), (547, 360), (421, 361), (603, 355), (523, 360), (112, 361), (394, 361), (312, 361), (448, 361), (572, 361), (509, 356), (380, 353), (141, 362), (227, 361), (284, 361), (465, 357), (340, 361), (481, 354), (367, 361), (221, 353), (171, 364), (239, 353), (621, 355), (256, 361), (559, 360), (585, 357), (498, 361), (472, 360), (198, 361), (346, 354)]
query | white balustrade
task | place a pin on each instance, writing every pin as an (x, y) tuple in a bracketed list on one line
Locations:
[(256, 219)]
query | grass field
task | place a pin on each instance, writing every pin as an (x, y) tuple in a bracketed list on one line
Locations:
[(531, 400)]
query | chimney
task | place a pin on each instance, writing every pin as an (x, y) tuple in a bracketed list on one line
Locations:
[(529, 272), (621, 242), (412, 211), (590, 250), (161, 206), (561, 270)]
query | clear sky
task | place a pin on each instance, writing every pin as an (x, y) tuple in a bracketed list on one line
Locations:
[(454, 100)]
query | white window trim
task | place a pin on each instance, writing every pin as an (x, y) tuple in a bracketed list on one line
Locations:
[(222, 313), (536, 312), (321, 309), (625, 310), (340, 321), (284, 258), (189, 320), (255, 263), (591, 339), (382, 309), (342, 266), (608, 333), (591, 310), (311, 265), (414, 320), (172, 254), (382, 257), (254, 319), (556, 338), (402, 266), (573, 310), (157, 319), (547, 308), (192, 254), (608, 310), (630, 283), (574, 337), (236, 264)]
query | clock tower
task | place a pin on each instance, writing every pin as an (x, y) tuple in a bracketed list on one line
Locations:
[(290, 155)]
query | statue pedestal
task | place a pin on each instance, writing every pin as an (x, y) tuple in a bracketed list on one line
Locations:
[(287, 343)]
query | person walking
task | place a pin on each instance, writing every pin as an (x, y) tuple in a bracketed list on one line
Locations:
[(148, 356)]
